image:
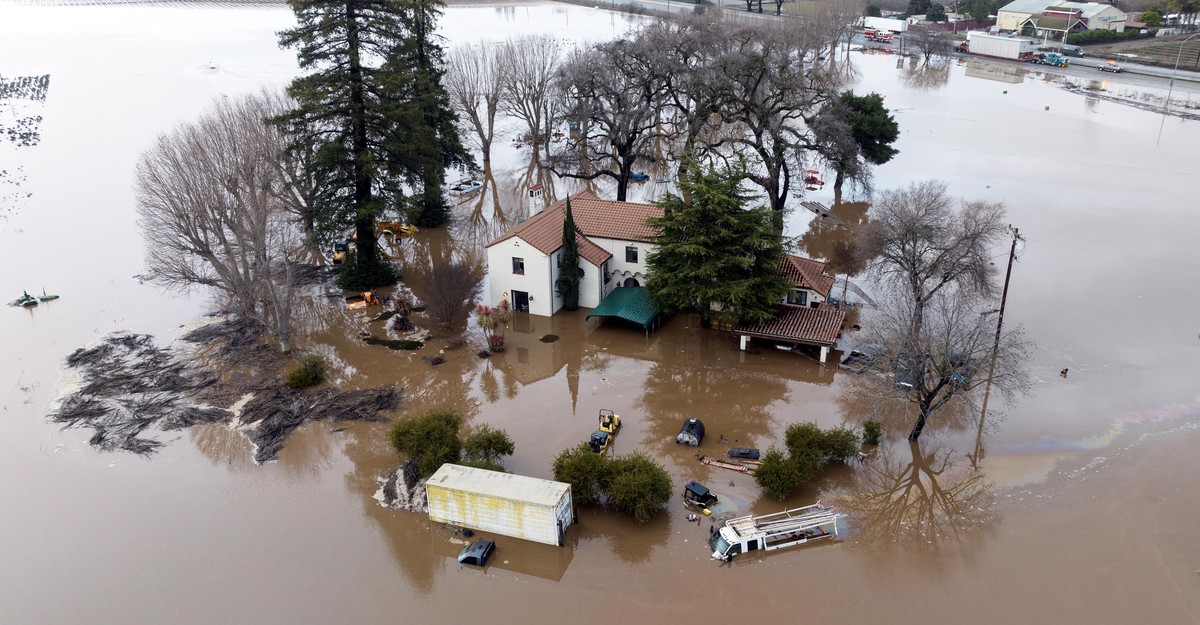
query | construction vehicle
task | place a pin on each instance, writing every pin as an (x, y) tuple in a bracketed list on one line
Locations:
[(697, 494), (342, 250), (1050, 58), (395, 229), (602, 439), (774, 531), (363, 300)]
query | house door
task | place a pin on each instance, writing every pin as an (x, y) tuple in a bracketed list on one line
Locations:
[(520, 301)]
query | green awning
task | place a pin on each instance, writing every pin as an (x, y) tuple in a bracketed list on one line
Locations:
[(631, 303)]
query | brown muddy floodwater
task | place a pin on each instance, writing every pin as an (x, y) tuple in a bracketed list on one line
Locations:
[(1083, 511)]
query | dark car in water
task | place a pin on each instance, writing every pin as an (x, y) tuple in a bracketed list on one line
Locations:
[(862, 358), (745, 453), (477, 553)]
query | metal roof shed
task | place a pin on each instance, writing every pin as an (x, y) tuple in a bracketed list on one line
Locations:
[(501, 503), (631, 303)]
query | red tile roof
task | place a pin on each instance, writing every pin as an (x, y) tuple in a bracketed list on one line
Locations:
[(594, 217), (799, 324), (805, 273)]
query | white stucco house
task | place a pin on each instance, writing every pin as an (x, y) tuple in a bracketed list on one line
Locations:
[(613, 241)]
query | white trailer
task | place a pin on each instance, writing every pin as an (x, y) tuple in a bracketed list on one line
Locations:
[(1014, 48), (501, 503), (774, 531), (885, 23)]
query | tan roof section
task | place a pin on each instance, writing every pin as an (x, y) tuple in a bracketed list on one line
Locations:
[(799, 324), (805, 273), (594, 217)]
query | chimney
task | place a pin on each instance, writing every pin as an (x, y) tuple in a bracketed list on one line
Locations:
[(536, 202)]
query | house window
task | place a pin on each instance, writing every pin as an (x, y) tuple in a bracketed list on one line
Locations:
[(518, 266), (798, 297), (604, 269), (631, 254)]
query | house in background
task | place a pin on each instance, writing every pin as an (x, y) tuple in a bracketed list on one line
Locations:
[(1049, 17), (613, 241)]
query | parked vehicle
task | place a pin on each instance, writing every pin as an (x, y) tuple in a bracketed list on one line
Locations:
[(500, 503), (745, 453), (395, 229), (1071, 50), (691, 433), (342, 251), (861, 359), (602, 439), (477, 553), (774, 531), (1111, 66), (697, 494), (466, 187)]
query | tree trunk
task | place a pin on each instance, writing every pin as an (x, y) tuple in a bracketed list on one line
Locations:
[(840, 179), (919, 426), (364, 225)]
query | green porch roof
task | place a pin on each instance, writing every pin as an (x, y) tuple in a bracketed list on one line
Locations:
[(631, 303)]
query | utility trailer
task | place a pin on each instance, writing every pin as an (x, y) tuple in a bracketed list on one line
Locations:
[(774, 531)]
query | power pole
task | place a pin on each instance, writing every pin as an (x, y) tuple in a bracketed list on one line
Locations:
[(1012, 254)]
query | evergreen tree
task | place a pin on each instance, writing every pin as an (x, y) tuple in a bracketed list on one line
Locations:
[(568, 267), (372, 107), (713, 254)]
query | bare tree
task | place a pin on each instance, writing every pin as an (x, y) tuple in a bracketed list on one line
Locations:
[(531, 64), (947, 357), (837, 21), (770, 99), (475, 79), (210, 210), (296, 167), (451, 291), (926, 246), (930, 43), (619, 91)]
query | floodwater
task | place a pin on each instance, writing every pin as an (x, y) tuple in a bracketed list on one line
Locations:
[(1082, 511)]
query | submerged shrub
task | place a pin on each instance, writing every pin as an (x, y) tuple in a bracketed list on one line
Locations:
[(310, 371), (872, 432)]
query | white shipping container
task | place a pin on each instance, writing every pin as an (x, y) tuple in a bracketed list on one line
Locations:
[(998, 46), (885, 23), (500, 503)]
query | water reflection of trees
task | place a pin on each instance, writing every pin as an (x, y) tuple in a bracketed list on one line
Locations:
[(847, 217), (919, 497), (925, 76)]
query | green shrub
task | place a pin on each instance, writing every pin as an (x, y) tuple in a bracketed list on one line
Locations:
[(638, 486), (839, 443), (1106, 36), (777, 474), (872, 432), (586, 472), (484, 448), (310, 371), (363, 276), (801, 437), (429, 440)]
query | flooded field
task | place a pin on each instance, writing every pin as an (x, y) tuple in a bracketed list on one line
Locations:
[(1083, 508)]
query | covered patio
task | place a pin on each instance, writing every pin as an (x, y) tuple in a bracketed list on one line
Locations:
[(797, 325)]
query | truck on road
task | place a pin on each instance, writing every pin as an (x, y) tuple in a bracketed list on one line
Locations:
[(884, 24), (1050, 58), (774, 531)]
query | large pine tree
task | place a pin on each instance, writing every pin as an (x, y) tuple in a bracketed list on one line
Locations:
[(568, 266), (714, 255), (372, 106)]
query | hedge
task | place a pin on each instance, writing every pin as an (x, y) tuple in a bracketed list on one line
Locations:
[(1107, 36)]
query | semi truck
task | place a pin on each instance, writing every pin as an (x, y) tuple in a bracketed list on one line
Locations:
[(998, 46), (501, 503), (774, 531)]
